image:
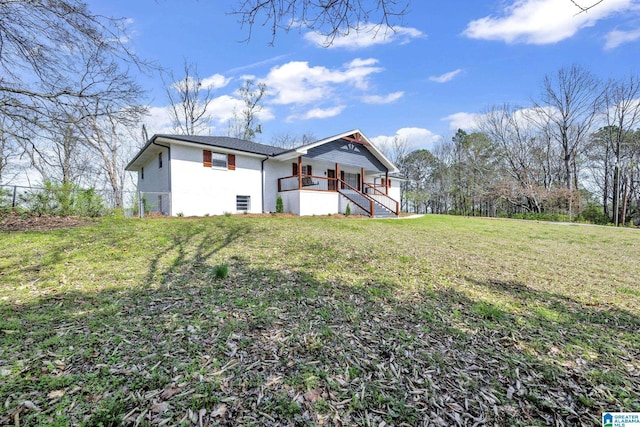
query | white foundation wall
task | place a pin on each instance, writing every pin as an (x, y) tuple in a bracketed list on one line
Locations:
[(197, 190), (306, 203), (318, 202), (290, 202)]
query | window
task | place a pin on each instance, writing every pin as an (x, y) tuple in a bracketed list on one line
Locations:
[(353, 179), (218, 160), (141, 173), (306, 169), (159, 160), (243, 203)]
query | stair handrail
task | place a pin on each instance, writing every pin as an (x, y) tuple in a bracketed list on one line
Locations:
[(370, 211), (394, 203)]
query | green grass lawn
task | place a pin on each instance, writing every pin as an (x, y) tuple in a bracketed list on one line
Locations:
[(319, 321)]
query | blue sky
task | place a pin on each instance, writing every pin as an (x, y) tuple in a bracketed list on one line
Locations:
[(446, 62)]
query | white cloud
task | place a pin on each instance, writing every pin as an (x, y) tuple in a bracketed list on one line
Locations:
[(416, 138), (158, 120), (365, 36), (462, 120), (446, 77), (541, 21), (298, 83), (359, 62), (382, 99), (221, 108), (216, 81), (319, 113), (615, 38)]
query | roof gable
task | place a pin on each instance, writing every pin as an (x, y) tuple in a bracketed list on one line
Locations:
[(355, 138), (346, 152)]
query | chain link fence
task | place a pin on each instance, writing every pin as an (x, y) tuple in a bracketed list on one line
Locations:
[(151, 203), (66, 200)]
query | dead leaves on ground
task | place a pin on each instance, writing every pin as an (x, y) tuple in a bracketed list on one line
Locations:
[(336, 357)]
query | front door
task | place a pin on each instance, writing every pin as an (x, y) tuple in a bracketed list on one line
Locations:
[(331, 175)]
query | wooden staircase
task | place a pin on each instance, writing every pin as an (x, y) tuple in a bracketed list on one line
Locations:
[(376, 205)]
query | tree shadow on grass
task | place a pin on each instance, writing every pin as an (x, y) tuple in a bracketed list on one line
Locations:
[(192, 245), (267, 346)]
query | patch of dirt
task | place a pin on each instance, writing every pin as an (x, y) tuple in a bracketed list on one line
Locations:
[(14, 221)]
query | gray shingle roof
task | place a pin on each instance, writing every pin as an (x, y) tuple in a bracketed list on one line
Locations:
[(228, 142)]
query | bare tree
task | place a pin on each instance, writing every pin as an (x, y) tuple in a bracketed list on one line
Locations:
[(622, 114), (42, 43), (245, 124), (188, 102), (569, 103), (515, 138), (9, 151), (112, 141), (395, 150), (288, 140), (330, 18), (58, 153), (251, 95), (586, 6)]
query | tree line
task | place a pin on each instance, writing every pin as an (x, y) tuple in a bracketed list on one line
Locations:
[(574, 153)]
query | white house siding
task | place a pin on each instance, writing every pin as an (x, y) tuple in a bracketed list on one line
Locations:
[(273, 170), (155, 179), (198, 190), (394, 191)]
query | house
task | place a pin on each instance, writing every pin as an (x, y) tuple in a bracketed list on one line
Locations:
[(212, 175)]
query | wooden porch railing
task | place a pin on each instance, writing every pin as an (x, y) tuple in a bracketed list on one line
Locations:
[(308, 182), (365, 200)]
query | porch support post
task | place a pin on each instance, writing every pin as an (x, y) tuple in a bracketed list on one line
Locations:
[(362, 179), (386, 182), (299, 172), (337, 176)]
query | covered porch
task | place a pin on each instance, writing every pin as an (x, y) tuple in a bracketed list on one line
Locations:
[(321, 187)]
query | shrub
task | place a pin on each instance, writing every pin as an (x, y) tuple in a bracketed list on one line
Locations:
[(279, 204), (594, 214), (64, 200), (347, 211)]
